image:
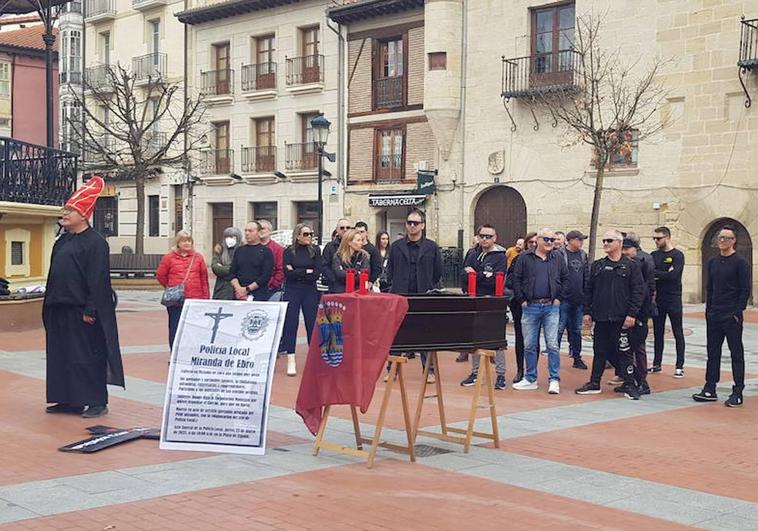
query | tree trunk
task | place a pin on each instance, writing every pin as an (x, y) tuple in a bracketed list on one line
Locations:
[(596, 200), (139, 235)]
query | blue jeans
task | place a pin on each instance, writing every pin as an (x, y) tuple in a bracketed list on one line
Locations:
[(533, 317), (571, 320)]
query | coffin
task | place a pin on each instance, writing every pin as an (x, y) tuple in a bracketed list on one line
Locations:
[(452, 322)]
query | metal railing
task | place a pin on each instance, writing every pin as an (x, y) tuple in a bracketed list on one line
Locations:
[(217, 162), (35, 174), (149, 66), (301, 157), (748, 44), (96, 8), (261, 76), (73, 7), (217, 82), (75, 78), (540, 74), (96, 77), (452, 267), (153, 142), (389, 92), (259, 159), (305, 70), (389, 168)]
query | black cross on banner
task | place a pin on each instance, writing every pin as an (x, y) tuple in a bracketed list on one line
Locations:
[(217, 317)]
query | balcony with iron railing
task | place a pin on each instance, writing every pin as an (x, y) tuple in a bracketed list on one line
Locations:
[(301, 157), (149, 67), (33, 174), (96, 10), (259, 159), (153, 142), (389, 169), (748, 61), (261, 76), (97, 77), (389, 92), (307, 70), (217, 162), (70, 77), (544, 74), (217, 82)]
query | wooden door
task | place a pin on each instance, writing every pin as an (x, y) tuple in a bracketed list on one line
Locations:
[(222, 159), (505, 209), (710, 249), (223, 75), (311, 47)]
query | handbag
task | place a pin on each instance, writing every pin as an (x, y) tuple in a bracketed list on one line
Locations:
[(174, 296)]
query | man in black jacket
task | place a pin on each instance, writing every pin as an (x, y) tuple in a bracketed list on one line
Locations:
[(540, 280), (414, 264), (727, 293), (373, 252), (486, 260), (613, 296), (330, 249)]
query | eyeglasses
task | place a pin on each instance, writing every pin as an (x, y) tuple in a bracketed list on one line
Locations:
[(726, 238), (609, 241), (656, 238), (413, 223), (487, 236), (306, 234), (548, 240)]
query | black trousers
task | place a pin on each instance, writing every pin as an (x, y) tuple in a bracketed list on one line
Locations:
[(610, 343), (659, 330), (516, 309), (638, 338), (299, 298), (718, 328), (174, 313)]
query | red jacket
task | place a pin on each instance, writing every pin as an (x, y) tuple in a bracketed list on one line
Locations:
[(174, 266), (277, 276)]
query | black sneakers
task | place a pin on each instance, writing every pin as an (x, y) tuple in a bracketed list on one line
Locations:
[(644, 389), (631, 392), (579, 364), (519, 376), (734, 400), (705, 395), (500, 382), (94, 412), (589, 389), (654, 369), (470, 380)]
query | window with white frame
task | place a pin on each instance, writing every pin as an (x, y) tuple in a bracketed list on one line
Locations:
[(5, 79)]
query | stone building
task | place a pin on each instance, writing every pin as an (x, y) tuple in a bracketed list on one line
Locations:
[(521, 174)]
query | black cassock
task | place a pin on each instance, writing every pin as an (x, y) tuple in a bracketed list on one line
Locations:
[(81, 358)]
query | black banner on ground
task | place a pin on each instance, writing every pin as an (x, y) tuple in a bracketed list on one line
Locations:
[(105, 437)]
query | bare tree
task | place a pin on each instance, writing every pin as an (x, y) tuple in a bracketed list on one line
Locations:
[(611, 105), (132, 128)]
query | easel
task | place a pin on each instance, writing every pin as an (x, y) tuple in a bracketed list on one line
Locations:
[(484, 367), (396, 371)]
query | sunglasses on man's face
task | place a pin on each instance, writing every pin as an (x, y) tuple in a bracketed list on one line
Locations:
[(656, 238), (487, 236), (725, 238), (306, 234), (609, 241), (548, 240), (413, 223)]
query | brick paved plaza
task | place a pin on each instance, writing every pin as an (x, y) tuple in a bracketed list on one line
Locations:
[(565, 461)]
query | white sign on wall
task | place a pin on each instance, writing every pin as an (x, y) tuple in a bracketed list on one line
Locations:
[(219, 382)]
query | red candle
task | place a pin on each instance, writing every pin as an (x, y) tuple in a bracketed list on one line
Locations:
[(349, 280), (472, 284), (499, 283), (363, 288)]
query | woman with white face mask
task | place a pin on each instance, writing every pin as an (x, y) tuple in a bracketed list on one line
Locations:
[(222, 261)]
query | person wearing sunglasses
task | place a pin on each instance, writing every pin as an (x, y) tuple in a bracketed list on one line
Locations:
[(515, 306), (302, 267), (669, 266), (613, 297), (541, 282), (486, 260), (727, 293), (330, 249)]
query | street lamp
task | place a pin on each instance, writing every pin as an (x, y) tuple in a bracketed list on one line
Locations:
[(320, 126)]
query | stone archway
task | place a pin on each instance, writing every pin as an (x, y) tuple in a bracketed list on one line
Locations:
[(709, 248), (504, 208)]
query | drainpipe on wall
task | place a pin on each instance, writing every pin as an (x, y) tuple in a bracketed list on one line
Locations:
[(341, 119), (12, 90), (187, 164), (462, 177)]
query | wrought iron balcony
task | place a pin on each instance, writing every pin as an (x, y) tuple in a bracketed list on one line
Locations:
[(217, 162), (72, 7), (97, 77), (261, 76), (153, 142), (99, 10), (748, 60), (305, 70), (73, 78), (389, 168), (301, 157), (389, 92), (151, 66), (217, 82), (259, 159), (33, 174), (550, 73)]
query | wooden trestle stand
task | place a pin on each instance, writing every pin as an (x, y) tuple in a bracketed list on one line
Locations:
[(396, 371)]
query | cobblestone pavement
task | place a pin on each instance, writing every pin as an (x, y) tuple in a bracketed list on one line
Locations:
[(565, 461)]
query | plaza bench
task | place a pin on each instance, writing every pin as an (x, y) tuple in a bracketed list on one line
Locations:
[(134, 265)]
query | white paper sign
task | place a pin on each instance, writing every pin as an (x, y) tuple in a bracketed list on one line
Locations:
[(219, 382)]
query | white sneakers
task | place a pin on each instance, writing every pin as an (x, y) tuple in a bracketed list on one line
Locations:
[(525, 385), (291, 366)]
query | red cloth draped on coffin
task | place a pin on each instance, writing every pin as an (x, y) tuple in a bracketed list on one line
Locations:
[(350, 343)]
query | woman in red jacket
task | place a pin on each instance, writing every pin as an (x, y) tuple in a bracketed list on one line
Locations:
[(173, 270)]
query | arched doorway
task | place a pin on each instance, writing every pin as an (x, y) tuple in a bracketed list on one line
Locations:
[(505, 209), (710, 248)]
